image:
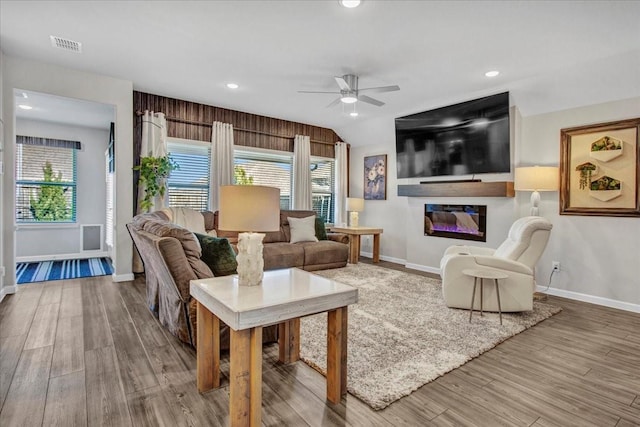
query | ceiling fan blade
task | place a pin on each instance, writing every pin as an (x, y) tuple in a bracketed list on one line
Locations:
[(342, 83), (312, 91), (335, 102), (369, 100), (381, 89)]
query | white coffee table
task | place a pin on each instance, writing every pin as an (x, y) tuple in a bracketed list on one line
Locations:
[(283, 298)]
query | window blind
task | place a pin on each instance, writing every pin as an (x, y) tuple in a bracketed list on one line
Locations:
[(188, 186), (323, 187), (273, 170)]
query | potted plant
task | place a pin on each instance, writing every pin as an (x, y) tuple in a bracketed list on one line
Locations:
[(153, 173)]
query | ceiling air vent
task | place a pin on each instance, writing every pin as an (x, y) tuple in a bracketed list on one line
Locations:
[(66, 44)]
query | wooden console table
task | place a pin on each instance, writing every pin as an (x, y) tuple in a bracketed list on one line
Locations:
[(354, 234)]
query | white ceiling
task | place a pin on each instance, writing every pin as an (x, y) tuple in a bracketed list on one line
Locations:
[(552, 55)]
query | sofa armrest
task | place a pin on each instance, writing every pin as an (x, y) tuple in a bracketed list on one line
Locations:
[(503, 264), (180, 272), (338, 237), (468, 250)]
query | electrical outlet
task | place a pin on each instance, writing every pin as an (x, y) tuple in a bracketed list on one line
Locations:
[(555, 265)]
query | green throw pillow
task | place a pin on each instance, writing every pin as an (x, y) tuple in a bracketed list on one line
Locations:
[(218, 254), (321, 232)]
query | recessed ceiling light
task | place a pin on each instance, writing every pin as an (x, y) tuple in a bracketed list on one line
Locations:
[(353, 114), (25, 107), (492, 73), (24, 95), (349, 3), (232, 85)]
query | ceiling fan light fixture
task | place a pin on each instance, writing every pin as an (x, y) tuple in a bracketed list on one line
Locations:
[(348, 99), (350, 4)]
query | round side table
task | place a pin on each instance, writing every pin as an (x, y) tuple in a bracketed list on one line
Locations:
[(483, 273)]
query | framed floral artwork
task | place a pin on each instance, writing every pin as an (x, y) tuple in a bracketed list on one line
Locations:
[(375, 182), (600, 169)]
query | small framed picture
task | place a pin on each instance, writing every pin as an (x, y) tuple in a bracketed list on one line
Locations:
[(599, 167), (375, 177)]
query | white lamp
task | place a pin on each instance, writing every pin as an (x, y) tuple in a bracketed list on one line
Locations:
[(536, 178), (249, 208), (354, 205)]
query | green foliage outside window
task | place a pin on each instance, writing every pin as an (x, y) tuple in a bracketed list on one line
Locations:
[(241, 177), (51, 203)]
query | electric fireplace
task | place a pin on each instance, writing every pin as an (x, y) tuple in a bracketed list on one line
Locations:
[(467, 222)]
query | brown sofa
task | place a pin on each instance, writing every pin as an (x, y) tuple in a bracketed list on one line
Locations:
[(171, 258)]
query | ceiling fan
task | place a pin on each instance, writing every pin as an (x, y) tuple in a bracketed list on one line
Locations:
[(349, 92)]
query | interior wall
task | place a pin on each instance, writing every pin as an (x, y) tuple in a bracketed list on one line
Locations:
[(34, 241), (578, 242), (54, 80), (3, 289)]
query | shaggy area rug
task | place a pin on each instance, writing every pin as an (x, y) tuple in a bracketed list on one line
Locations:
[(402, 336)]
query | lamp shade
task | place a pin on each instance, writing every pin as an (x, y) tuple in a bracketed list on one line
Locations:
[(355, 204), (249, 208), (537, 178)]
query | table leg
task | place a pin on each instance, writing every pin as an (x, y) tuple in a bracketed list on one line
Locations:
[(473, 297), (336, 354), (208, 351), (481, 292), (289, 341), (376, 248), (354, 248), (498, 295), (245, 377)]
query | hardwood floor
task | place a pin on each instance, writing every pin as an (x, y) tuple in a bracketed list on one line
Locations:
[(88, 352)]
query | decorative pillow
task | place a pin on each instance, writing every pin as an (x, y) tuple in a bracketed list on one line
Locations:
[(303, 229), (218, 254), (321, 232)]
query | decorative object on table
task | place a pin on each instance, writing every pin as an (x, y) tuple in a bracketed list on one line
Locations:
[(599, 169), (249, 209), (404, 336), (154, 172), (535, 179), (354, 205), (375, 183)]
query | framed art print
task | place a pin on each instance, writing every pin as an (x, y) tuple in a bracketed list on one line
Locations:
[(375, 182)]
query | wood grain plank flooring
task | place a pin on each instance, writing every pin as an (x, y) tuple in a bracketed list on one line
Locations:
[(89, 352)]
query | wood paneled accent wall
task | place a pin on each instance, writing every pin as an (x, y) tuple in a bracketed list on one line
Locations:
[(322, 139)]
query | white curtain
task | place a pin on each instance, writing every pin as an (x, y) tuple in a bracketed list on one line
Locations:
[(302, 173), (340, 214), (154, 144), (221, 171)]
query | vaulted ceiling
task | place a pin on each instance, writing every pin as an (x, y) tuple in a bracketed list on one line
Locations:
[(551, 55)]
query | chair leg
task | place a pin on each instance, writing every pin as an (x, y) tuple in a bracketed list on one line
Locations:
[(473, 297), (481, 295)]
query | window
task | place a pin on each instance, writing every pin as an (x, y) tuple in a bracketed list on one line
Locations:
[(323, 187), (188, 186), (261, 168), (45, 180)]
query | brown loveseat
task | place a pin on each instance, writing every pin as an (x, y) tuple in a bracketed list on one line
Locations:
[(171, 257)]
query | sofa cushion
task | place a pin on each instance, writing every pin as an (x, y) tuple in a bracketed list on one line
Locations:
[(302, 229), (218, 254), (282, 255), (324, 252), (321, 231), (188, 241)]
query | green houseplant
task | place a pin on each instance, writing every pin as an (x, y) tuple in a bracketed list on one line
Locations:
[(153, 172)]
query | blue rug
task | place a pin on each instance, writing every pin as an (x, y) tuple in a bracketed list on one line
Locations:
[(29, 272)]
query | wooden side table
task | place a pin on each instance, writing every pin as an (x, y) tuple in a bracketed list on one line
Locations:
[(354, 234), (483, 273)]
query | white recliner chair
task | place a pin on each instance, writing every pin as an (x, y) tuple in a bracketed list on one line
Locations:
[(517, 257)]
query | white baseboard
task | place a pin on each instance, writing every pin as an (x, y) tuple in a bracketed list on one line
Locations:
[(383, 257), (59, 257), (122, 277), (7, 290), (621, 305), (424, 268)]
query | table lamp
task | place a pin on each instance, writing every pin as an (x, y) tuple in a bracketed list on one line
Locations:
[(536, 178), (354, 205), (247, 209)]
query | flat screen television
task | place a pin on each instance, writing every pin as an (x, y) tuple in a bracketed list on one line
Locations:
[(462, 139)]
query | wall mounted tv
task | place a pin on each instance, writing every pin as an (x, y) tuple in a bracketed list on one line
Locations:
[(467, 138)]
